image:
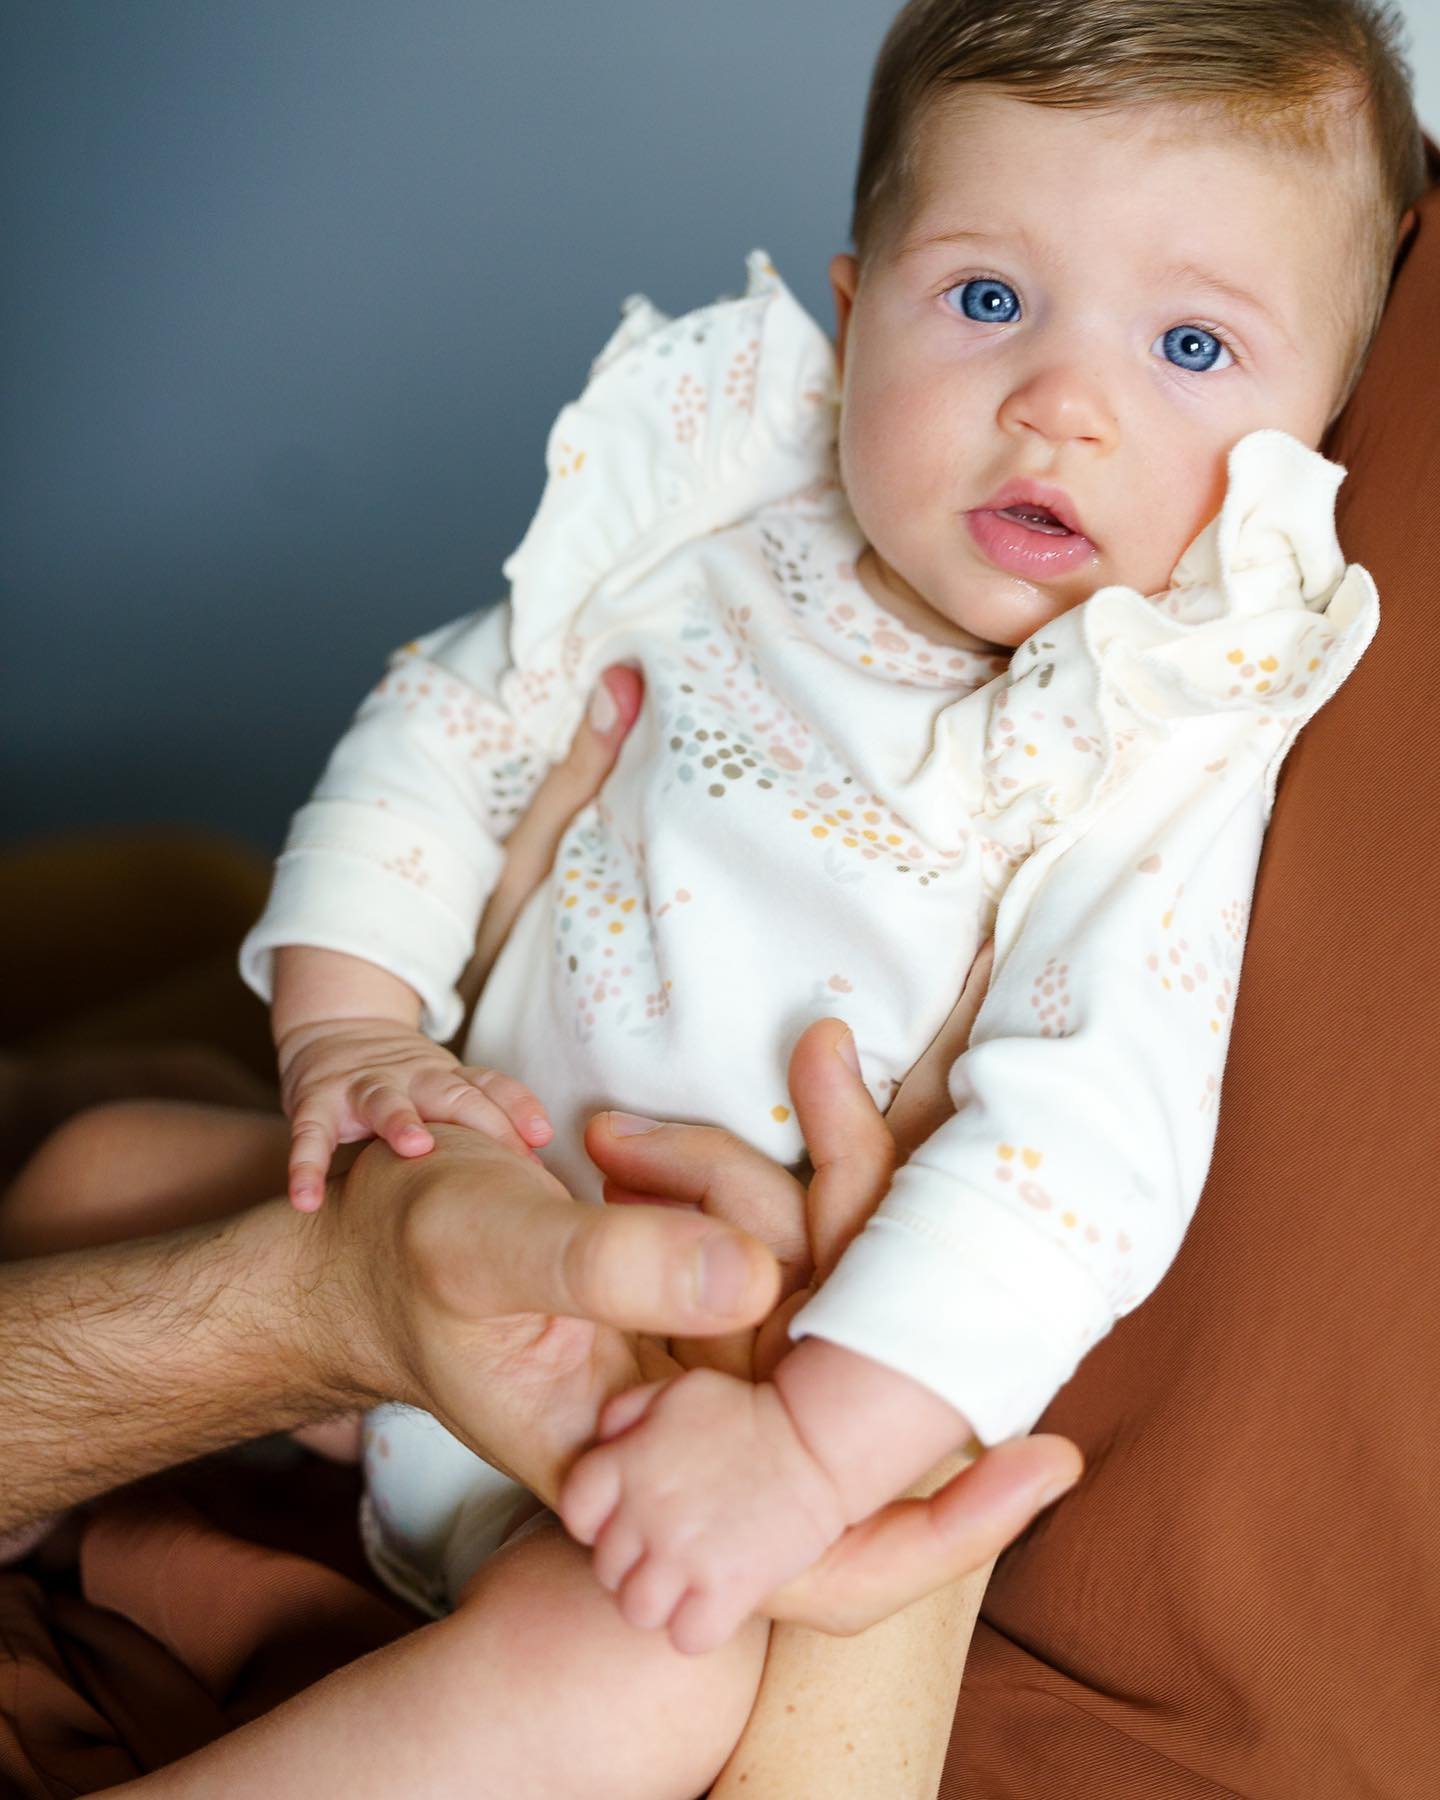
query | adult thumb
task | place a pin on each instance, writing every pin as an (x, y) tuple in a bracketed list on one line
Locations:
[(640, 1268)]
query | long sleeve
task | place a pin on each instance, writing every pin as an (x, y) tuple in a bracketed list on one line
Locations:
[(400, 845), (1056, 1198), (675, 435)]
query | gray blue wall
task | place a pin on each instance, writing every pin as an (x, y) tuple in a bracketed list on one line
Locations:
[(291, 291)]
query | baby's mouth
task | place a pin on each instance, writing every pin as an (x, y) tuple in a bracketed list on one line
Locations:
[(1031, 529), (1037, 518)]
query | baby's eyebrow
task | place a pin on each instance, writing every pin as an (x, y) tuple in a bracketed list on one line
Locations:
[(955, 237), (1196, 276)]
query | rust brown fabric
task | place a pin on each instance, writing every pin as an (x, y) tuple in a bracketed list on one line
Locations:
[(128, 937), (188, 1606), (1243, 1597)]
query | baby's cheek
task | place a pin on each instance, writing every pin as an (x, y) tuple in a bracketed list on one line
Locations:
[(890, 453), (862, 474), (1169, 512), (1209, 496)]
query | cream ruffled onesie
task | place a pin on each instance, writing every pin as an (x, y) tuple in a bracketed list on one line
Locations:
[(821, 813)]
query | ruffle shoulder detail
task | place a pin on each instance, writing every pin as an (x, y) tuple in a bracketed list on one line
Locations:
[(685, 426), (1262, 621)]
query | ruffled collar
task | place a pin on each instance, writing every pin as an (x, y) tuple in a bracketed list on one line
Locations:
[(688, 426), (1263, 619)]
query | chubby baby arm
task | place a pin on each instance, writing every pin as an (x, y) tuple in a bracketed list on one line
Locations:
[(709, 1492), (354, 1064)]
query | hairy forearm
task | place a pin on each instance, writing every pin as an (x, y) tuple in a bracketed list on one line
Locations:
[(119, 1361)]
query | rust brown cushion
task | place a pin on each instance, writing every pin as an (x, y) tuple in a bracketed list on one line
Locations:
[(1243, 1595)]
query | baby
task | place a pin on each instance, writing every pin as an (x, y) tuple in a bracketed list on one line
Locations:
[(996, 618)]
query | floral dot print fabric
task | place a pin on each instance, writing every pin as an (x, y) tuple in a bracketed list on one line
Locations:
[(821, 812)]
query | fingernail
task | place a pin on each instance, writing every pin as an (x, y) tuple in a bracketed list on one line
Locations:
[(1049, 1495), (847, 1052), (604, 713), (623, 1124), (724, 1275)]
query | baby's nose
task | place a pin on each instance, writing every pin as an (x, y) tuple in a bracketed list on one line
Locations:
[(1062, 402)]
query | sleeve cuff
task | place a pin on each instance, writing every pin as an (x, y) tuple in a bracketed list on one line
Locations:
[(332, 898), (963, 1297)]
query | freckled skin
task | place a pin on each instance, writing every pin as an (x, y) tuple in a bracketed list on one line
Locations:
[(1079, 221)]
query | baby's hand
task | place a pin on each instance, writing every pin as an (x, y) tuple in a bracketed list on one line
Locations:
[(346, 1079), (702, 1500)]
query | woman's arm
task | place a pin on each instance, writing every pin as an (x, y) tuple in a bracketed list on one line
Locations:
[(870, 1715)]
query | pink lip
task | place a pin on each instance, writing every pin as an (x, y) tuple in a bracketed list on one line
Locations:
[(1021, 550)]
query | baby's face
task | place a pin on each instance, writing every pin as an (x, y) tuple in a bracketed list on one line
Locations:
[(1043, 378)]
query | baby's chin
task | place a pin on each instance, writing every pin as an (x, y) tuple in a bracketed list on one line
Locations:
[(939, 621), (998, 612)]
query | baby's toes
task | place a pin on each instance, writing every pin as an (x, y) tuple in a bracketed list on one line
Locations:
[(705, 1619), (621, 1411), (618, 1549), (651, 1592), (590, 1494)]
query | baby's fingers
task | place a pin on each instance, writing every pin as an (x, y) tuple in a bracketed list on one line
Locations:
[(313, 1137), (516, 1101), (452, 1097), (618, 1549), (650, 1592), (386, 1111), (624, 1410)]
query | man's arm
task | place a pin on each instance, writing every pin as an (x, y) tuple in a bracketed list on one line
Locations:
[(432, 1282), (454, 1282), (440, 1282), (123, 1360)]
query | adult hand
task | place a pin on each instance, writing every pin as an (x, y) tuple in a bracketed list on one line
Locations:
[(471, 1284), (530, 848), (916, 1544), (119, 1359)]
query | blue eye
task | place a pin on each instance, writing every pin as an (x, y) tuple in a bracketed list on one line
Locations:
[(989, 302), (1192, 349)]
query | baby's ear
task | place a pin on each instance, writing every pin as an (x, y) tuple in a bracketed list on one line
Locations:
[(844, 280)]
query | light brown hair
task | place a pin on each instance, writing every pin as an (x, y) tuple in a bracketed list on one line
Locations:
[(1294, 70)]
